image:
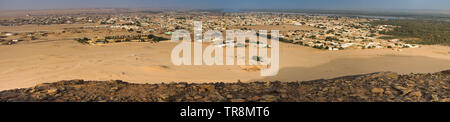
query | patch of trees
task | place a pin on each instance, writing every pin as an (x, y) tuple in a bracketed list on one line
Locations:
[(428, 32), (329, 38), (83, 40), (330, 31), (156, 38), (386, 37), (124, 38), (286, 40)]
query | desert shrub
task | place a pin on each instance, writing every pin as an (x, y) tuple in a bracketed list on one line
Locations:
[(83, 40), (429, 32)]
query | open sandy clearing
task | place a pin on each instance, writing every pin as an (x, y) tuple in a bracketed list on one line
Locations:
[(25, 65)]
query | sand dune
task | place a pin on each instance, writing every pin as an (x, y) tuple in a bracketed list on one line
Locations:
[(28, 64)]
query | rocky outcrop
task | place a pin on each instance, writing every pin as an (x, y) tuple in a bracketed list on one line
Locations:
[(375, 87)]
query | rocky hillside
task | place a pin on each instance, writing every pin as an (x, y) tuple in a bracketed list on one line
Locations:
[(385, 87)]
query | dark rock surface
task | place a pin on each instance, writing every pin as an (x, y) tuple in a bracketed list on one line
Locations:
[(375, 87)]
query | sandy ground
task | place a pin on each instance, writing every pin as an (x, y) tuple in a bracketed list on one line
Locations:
[(29, 63), (25, 65)]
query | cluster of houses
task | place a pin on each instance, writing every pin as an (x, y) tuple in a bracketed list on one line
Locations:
[(330, 33), (337, 45), (9, 42), (10, 38), (48, 20), (343, 33), (247, 43)]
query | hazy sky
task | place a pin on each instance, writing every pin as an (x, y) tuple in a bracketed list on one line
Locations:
[(306, 4)]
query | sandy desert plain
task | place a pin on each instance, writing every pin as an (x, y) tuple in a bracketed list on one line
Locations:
[(60, 57)]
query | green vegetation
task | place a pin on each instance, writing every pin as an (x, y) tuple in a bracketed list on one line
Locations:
[(386, 37), (428, 32), (329, 38), (122, 38), (156, 38), (83, 40), (285, 40), (143, 38), (330, 31)]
